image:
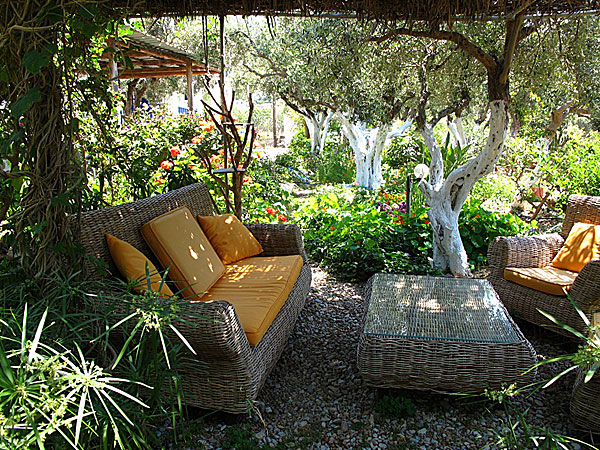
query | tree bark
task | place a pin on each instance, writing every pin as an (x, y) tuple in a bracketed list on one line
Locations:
[(368, 147), (317, 125), (446, 197)]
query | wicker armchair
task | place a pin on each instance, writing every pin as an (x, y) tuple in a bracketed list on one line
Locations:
[(538, 251), (230, 372)]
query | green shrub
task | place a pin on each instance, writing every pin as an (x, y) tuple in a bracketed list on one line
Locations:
[(356, 233)]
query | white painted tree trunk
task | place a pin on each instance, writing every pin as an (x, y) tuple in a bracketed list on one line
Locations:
[(318, 128), (368, 145), (446, 197)]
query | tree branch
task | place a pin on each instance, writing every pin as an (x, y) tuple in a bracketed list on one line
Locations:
[(459, 39)]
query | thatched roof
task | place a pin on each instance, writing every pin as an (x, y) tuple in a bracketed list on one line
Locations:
[(431, 10), (152, 58)]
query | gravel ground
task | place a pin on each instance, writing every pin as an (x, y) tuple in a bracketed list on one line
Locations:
[(315, 398)]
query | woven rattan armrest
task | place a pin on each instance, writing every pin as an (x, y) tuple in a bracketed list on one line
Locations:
[(523, 251), (586, 288), (278, 239), (212, 328)]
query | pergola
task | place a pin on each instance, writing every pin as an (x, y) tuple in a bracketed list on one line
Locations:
[(414, 10), (151, 58)]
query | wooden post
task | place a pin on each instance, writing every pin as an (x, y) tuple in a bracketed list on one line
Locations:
[(274, 121), (190, 90), (408, 194)]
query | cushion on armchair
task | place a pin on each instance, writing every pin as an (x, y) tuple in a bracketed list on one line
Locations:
[(581, 246), (179, 244), (229, 237), (548, 279)]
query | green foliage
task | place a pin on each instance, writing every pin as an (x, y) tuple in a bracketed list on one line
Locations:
[(63, 384), (570, 168), (406, 151), (334, 165), (356, 233), (240, 438), (398, 407), (479, 227)]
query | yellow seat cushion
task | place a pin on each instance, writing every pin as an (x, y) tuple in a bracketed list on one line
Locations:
[(229, 237), (581, 246), (132, 265), (180, 245), (257, 287), (544, 279)]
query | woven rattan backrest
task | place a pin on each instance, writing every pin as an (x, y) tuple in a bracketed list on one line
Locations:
[(125, 221), (581, 208)]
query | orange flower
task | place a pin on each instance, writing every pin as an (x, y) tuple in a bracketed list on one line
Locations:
[(159, 181), (281, 217), (332, 228), (208, 127), (270, 210), (197, 139), (259, 155), (166, 165), (192, 166), (175, 150)]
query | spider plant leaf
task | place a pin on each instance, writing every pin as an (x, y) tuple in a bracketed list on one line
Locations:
[(80, 415), (592, 370), (562, 325), (164, 347), (126, 344), (36, 338), (183, 339), (564, 372)]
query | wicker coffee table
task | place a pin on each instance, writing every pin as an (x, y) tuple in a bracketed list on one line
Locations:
[(440, 334)]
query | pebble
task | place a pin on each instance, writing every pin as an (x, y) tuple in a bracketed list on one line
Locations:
[(314, 398)]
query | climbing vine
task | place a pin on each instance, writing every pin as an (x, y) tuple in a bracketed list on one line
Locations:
[(49, 62)]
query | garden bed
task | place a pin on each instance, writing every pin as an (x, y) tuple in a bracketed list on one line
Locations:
[(315, 397)]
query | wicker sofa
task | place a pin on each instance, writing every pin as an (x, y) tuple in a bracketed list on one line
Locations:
[(231, 371), (538, 251)]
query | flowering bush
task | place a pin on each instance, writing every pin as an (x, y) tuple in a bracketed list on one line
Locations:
[(357, 233)]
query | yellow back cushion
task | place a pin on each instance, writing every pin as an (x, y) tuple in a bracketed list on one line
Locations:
[(229, 237), (582, 246), (132, 265), (179, 244)]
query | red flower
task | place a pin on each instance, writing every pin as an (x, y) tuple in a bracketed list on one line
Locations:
[(166, 165), (175, 151), (192, 166), (281, 217), (426, 221), (270, 210)]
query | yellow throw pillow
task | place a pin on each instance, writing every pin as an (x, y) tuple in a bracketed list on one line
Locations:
[(132, 265), (582, 246), (229, 237), (179, 244)]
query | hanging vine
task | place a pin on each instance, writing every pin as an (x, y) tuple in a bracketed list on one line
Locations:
[(48, 64)]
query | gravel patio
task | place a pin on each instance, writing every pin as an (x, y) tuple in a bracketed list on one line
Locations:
[(315, 398)]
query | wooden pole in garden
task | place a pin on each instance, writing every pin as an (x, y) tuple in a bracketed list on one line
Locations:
[(190, 89)]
